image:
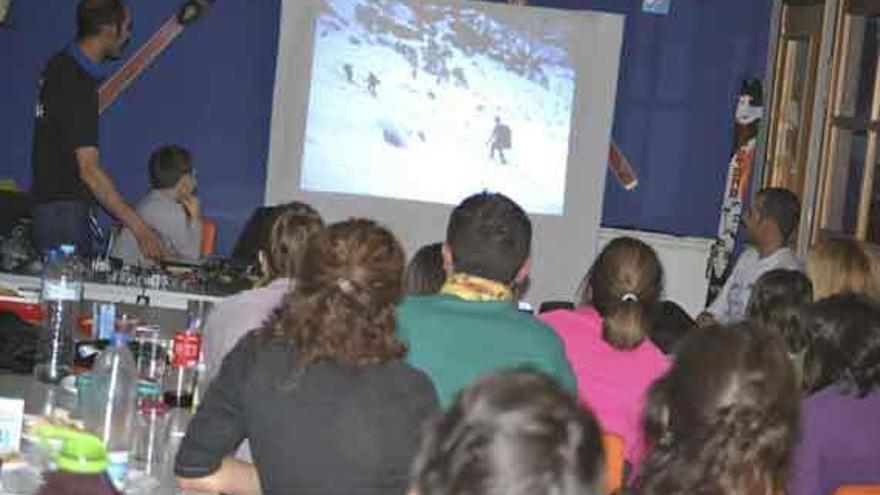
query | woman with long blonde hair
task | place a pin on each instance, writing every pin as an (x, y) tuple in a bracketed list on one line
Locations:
[(839, 265)]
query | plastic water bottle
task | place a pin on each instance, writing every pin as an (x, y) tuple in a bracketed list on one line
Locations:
[(115, 392), (61, 296)]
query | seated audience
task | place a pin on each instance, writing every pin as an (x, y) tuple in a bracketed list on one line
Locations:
[(723, 420), (320, 391), (840, 426), (770, 224), (280, 262), (606, 338), (171, 208), (473, 327), (838, 265), (424, 273), (672, 324), (777, 301), (512, 433)]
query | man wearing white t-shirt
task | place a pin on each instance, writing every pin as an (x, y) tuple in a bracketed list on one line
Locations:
[(770, 223)]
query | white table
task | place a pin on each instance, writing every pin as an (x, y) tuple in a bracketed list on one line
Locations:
[(113, 293), (41, 399)]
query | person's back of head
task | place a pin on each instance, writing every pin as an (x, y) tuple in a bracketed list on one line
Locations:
[(168, 164), (489, 236), (783, 207), (724, 418), (624, 285), (776, 301), (844, 347), (512, 433), (837, 265), (671, 325), (342, 309), (288, 237), (93, 15), (425, 273)]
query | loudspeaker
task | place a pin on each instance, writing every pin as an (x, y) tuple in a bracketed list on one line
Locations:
[(5, 7)]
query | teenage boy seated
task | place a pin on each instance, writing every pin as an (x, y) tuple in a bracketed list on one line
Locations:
[(170, 208), (472, 326)]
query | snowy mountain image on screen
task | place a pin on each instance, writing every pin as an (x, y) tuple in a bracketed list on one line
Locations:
[(434, 102)]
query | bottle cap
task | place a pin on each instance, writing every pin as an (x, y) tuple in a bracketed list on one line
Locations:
[(121, 338)]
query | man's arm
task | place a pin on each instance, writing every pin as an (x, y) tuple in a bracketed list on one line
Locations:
[(719, 310), (94, 176)]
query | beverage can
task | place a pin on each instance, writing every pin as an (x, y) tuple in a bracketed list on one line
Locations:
[(186, 347)]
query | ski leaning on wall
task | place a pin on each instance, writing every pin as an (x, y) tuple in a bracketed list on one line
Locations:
[(188, 13), (617, 161), (749, 111)]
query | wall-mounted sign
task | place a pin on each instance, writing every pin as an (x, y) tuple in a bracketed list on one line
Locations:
[(660, 7)]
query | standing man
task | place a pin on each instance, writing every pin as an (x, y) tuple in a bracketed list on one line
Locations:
[(499, 140), (67, 172), (372, 83)]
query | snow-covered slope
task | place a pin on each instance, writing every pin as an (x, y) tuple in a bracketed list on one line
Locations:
[(444, 74)]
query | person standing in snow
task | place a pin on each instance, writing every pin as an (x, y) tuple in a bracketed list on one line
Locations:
[(372, 83), (499, 140)]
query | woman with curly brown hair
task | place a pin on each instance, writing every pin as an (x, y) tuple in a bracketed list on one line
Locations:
[(723, 420), (320, 391)]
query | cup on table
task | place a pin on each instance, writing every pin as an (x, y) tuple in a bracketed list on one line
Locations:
[(148, 453), (151, 358)]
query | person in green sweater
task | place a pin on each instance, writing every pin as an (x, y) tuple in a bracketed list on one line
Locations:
[(472, 327)]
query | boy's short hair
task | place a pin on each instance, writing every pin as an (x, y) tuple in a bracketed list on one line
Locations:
[(168, 164)]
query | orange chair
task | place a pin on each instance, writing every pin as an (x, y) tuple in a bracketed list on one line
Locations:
[(858, 490), (209, 237), (614, 460)]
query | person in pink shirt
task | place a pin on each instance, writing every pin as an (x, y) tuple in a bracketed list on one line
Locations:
[(606, 338)]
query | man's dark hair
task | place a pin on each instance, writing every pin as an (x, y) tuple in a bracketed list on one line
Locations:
[(490, 236), (782, 206), (92, 15), (168, 164)]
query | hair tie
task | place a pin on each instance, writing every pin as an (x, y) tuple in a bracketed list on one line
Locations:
[(629, 296), (345, 285)]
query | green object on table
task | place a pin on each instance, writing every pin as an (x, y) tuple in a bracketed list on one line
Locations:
[(80, 452)]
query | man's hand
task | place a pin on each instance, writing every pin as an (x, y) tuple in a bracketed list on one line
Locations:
[(705, 319), (191, 206), (94, 176), (149, 241)]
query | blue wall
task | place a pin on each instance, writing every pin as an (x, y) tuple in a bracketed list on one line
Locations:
[(212, 92)]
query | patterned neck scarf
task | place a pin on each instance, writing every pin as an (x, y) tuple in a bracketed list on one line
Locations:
[(473, 288)]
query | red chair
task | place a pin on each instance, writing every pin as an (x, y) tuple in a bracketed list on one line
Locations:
[(614, 461), (209, 237), (858, 490)]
